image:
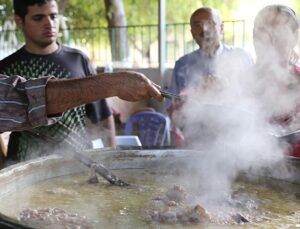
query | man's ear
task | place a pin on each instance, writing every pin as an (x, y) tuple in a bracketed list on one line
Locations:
[(193, 33), (19, 22)]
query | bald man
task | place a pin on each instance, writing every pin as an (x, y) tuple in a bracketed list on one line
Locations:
[(193, 68), (203, 67)]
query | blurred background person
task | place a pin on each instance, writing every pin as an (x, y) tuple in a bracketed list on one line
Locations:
[(199, 69), (277, 81)]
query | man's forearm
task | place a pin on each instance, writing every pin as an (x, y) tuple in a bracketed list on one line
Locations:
[(62, 95)]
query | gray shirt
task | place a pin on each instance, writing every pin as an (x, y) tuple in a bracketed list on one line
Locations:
[(194, 67)]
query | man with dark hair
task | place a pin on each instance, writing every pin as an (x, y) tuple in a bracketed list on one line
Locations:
[(42, 55)]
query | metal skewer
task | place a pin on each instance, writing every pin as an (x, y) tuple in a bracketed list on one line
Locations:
[(291, 137), (169, 95), (74, 140)]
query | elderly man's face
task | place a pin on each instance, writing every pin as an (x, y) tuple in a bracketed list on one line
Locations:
[(206, 31)]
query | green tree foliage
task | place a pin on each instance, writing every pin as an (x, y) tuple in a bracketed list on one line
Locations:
[(6, 10), (85, 14), (179, 11), (91, 13), (297, 6), (141, 12)]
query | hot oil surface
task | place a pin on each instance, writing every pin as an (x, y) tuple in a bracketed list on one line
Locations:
[(108, 206)]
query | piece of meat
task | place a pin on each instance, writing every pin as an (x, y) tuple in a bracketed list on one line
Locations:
[(177, 194), (53, 218), (167, 216), (93, 178), (195, 215)]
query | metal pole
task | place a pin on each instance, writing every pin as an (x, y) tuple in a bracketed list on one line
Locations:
[(162, 38)]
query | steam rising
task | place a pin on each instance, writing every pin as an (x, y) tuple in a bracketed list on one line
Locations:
[(230, 119)]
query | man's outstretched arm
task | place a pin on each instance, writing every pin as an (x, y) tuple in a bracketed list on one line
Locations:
[(62, 95), (26, 104)]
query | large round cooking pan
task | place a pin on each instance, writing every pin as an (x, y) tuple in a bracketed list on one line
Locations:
[(22, 175)]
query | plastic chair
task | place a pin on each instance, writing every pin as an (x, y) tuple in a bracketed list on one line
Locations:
[(152, 128)]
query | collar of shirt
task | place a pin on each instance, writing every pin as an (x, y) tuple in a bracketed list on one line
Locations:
[(218, 51)]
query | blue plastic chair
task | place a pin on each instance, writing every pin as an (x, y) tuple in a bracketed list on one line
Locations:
[(152, 128)]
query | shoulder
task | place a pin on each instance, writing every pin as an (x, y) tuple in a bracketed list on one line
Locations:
[(237, 53), (12, 58), (188, 57), (73, 51), (77, 57), (229, 48), (16, 54)]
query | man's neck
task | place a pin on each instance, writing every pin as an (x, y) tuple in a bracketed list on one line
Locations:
[(34, 49), (212, 51)]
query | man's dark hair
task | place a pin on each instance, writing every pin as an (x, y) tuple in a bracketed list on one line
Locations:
[(21, 6)]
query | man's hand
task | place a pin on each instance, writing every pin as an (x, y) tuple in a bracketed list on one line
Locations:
[(134, 86)]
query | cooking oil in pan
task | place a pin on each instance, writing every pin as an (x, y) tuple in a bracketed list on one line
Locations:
[(106, 206)]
